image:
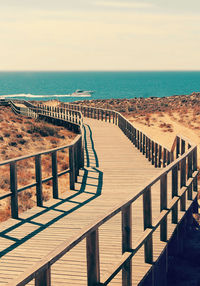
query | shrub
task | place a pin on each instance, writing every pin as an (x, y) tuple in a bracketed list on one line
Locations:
[(13, 143), (22, 141), (19, 136), (46, 195), (44, 131), (4, 182), (54, 140)]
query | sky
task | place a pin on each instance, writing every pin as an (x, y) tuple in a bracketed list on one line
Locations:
[(99, 35)]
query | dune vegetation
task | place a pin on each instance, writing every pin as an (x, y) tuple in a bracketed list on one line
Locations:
[(21, 136)]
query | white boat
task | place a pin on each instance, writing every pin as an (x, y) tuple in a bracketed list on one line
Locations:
[(83, 93)]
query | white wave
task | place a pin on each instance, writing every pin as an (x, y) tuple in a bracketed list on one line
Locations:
[(39, 96)]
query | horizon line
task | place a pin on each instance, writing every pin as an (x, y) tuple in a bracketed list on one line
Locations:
[(186, 70)]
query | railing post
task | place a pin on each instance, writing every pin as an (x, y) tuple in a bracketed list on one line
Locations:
[(168, 157), (149, 147), (76, 161), (182, 184), (54, 174), (182, 147), (13, 187), (152, 153), (175, 193), (127, 244), (128, 130), (72, 167), (93, 266), (109, 116), (147, 217), (195, 189), (163, 206), (171, 157), (189, 175), (38, 175), (88, 112), (156, 155), (131, 134), (134, 136), (116, 118), (146, 147), (159, 156), (164, 157), (177, 147), (43, 277), (138, 139), (143, 144), (82, 152), (67, 115)]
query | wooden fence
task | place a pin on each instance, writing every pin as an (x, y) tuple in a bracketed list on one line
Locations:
[(158, 155), (182, 168), (76, 159)]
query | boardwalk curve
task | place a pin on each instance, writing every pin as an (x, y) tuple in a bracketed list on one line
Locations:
[(116, 216)]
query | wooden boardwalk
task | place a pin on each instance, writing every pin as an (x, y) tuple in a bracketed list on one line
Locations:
[(114, 171)]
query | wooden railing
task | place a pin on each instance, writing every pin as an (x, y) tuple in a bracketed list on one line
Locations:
[(41, 271), (183, 173), (60, 113), (26, 111), (158, 155), (76, 159)]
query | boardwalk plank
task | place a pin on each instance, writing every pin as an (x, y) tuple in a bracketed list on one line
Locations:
[(116, 170)]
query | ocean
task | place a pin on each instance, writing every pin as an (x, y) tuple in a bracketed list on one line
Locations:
[(60, 85)]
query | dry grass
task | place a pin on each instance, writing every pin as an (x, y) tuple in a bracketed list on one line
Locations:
[(166, 127), (22, 136)]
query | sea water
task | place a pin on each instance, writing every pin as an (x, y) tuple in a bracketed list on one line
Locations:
[(60, 85)]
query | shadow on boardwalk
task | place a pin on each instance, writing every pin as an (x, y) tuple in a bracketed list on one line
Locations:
[(184, 267), (75, 200)]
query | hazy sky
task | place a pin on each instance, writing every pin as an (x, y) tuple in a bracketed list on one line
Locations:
[(99, 35)]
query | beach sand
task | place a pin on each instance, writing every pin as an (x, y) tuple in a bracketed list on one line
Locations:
[(164, 129)]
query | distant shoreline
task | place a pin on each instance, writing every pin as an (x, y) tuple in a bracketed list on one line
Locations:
[(139, 105)]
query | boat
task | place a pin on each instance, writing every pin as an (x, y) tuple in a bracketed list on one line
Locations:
[(82, 93)]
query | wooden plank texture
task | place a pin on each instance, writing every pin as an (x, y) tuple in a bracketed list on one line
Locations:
[(114, 170)]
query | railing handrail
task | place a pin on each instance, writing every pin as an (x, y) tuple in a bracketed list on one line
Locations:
[(40, 109), (40, 153)]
